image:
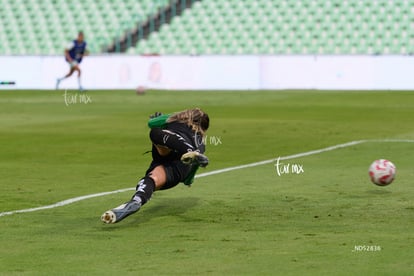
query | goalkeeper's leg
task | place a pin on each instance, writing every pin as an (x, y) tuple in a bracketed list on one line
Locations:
[(155, 179)]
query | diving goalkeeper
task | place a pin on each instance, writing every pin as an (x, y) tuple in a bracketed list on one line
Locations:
[(177, 153)]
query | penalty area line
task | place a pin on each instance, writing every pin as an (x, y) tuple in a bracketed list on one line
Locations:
[(255, 164)]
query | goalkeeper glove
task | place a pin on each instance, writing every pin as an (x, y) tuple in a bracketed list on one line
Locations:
[(194, 157), (155, 115)]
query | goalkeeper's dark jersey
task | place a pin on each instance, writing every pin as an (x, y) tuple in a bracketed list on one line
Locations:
[(195, 140), (191, 137)]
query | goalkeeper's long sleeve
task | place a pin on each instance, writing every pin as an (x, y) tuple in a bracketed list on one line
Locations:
[(171, 140), (159, 121)]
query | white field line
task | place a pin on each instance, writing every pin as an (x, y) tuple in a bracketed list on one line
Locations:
[(293, 156), (281, 158), (64, 202)]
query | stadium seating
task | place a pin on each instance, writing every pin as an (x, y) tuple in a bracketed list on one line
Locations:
[(214, 26), (45, 27), (287, 27)]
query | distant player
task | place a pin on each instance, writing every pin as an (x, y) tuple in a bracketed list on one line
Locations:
[(74, 53), (177, 153)]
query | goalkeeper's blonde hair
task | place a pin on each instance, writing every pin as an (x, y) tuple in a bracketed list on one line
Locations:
[(195, 118)]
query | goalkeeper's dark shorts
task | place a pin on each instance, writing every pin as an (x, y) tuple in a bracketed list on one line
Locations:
[(175, 171)]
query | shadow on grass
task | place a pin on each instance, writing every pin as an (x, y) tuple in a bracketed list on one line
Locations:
[(378, 192), (158, 207)]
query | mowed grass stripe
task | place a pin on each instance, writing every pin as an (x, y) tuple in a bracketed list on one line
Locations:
[(312, 152)]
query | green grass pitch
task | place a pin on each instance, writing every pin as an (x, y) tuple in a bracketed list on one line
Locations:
[(328, 219)]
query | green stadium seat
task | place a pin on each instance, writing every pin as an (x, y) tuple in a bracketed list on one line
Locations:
[(216, 26), (53, 17)]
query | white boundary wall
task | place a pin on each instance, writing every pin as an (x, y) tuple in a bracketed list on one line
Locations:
[(214, 72)]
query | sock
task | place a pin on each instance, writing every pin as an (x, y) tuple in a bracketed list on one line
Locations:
[(79, 83), (171, 140), (144, 190)]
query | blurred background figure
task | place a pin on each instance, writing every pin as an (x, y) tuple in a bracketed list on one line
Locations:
[(74, 53)]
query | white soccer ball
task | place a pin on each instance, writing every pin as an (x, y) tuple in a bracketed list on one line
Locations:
[(382, 172)]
